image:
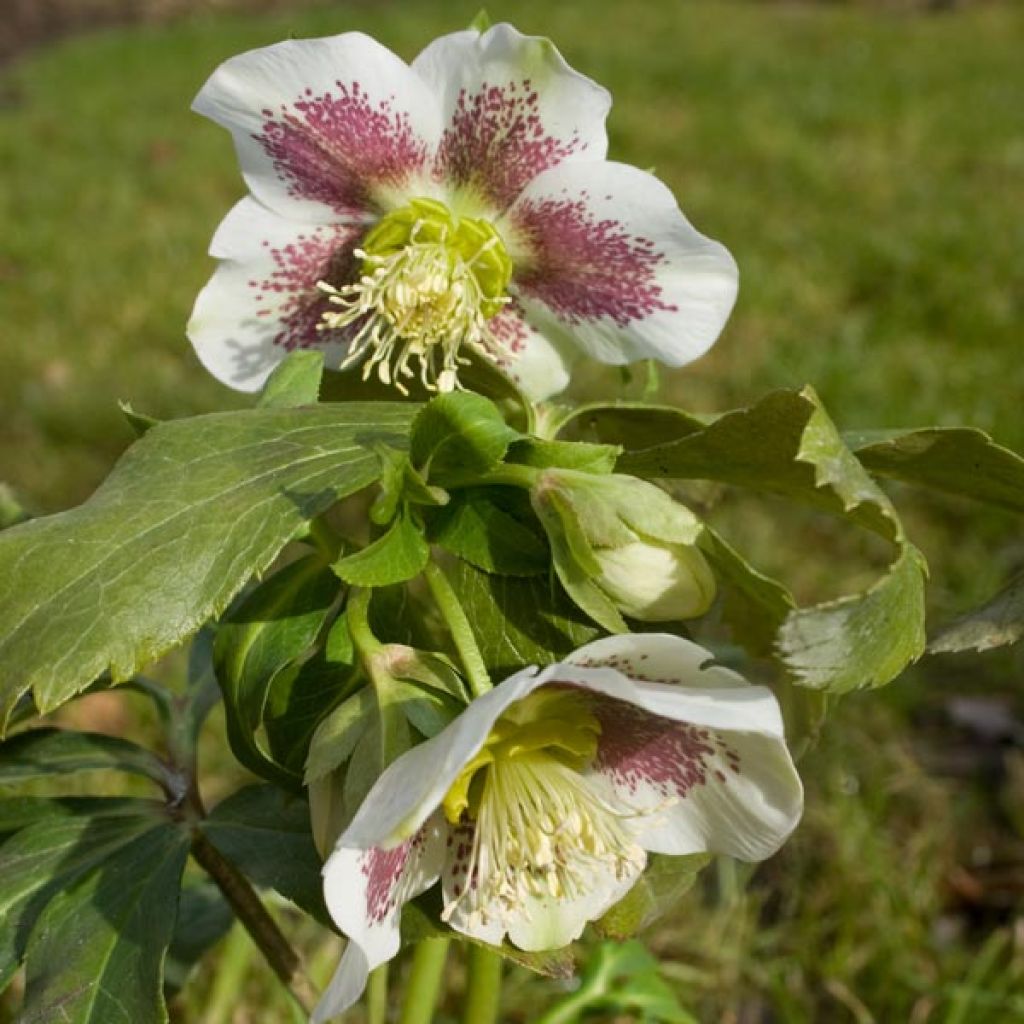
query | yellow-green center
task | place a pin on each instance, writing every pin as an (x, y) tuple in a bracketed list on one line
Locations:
[(540, 829), (428, 284)]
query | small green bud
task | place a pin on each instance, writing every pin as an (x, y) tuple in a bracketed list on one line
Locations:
[(623, 546)]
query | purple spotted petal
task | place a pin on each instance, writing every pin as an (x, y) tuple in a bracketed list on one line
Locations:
[(604, 257), (512, 108), (365, 891), (262, 301), (326, 129), (538, 365)]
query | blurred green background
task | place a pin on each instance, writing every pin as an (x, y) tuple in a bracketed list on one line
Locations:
[(865, 165)]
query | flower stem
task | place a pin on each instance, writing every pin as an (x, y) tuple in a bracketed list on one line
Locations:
[(483, 996), (462, 632), (377, 996), (249, 909), (357, 611), (424, 984)]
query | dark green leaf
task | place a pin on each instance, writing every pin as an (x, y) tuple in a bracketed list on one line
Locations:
[(495, 529), (996, 623), (40, 752), (397, 556), (579, 455), (18, 812), (97, 951), (46, 857), (753, 605), (270, 630), (204, 918), (295, 381), (957, 460), (265, 832), (519, 622), (632, 426), (457, 437), (193, 510)]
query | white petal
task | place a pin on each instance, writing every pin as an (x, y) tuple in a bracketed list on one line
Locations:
[(365, 890), (412, 788), (539, 367), (604, 256), (262, 300), (325, 128), (700, 752), (512, 107)]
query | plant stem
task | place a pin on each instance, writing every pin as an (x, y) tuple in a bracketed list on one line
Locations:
[(424, 982), (249, 909), (377, 996), (357, 611), (461, 630), (483, 996), (510, 474)]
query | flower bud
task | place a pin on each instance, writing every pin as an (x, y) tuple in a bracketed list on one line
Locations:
[(623, 546), (656, 582)]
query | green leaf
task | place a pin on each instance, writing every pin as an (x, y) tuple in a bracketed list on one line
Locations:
[(753, 605), (482, 21), (338, 734), (46, 857), (18, 812), (665, 881), (140, 422), (204, 918), (996, 623), (41, 752), (270, 630), (265, 832), (193, 510), (396, 556), (11, 511), (786, 444), (295, 381), (578, 455), (519, 622), (630, 425), (861, 641), (97, 951), (958, 460), (457, 437), (493, 528)]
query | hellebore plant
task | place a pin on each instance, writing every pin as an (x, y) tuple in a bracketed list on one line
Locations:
[(357, 573), (404, 216)]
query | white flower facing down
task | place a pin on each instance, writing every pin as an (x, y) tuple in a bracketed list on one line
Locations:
[(401, 215), (537, 806)]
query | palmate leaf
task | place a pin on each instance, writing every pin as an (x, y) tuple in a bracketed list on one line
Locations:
[(97, 951), (787, 445), (190, 512), (519, 622), (49, 855)]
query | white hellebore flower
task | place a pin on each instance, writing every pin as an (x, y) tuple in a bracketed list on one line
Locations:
[(402, 214), (536, 807)]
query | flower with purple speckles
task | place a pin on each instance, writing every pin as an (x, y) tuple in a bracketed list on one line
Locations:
[(401, 216), (537, 806)]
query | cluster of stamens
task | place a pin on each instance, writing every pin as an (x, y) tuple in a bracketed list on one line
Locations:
[(428, 286), (539, 828)]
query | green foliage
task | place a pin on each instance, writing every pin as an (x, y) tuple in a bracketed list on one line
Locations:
[(263, 636), (295, 381), (188, 515), (394, 557), (997, 622), (97, 950)]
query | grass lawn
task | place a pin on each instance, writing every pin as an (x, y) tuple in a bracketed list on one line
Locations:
[(866, 169)]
